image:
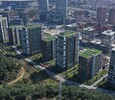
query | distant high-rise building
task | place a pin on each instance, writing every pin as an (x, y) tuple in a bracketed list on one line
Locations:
[(101, 15), (90, 62), (67, 49), (43, 8), (3, 30), (31, 39), (101, 18), (111, 74), (61, 10), (111, 19)]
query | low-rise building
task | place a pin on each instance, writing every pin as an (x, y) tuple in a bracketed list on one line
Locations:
[(107, 39), (88, 34)]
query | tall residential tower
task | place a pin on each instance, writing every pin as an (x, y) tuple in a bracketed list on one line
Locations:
[(31, 39), (67, 49), (111, 74)]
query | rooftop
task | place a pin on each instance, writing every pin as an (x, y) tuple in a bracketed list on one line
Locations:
[(53, 32), (108, 32), (2, 18), (68, 33), (89, 29), (48, 38), (88, 53)]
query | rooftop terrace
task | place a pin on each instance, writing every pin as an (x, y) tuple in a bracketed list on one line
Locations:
[(48, 38), (67, 34), (88, 53)]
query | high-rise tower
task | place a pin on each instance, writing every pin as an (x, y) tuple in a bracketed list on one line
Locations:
[(43, 8), (61, 10)]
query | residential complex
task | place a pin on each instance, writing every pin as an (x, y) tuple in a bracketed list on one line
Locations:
[(3, 30), (90, 62), (31, 39), (67, 50), (111, 74)]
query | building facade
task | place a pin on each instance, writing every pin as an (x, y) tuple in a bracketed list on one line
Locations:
[(14, 33), (31, 39), (107, 39), (101, 15), (90, 62), (67, 49), (3, 30), (43, 8), (111, 73), (88, 34), (48, 47)]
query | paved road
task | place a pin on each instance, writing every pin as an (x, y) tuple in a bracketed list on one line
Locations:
[(22, 71), (94, 84), (59, 78)]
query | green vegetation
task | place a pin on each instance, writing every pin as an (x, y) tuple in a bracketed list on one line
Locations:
[(48, 91), (70, 72), (48, 38), (97, 77), (87, 53), (67, 34), (104, 84), (8, 69)]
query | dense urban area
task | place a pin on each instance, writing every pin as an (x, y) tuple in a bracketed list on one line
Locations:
[(57, 50)]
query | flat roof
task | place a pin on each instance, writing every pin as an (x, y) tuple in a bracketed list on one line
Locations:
[(108, 32), (48, 38), (89, 29), (88, 53), (68, 33), (53, 32)]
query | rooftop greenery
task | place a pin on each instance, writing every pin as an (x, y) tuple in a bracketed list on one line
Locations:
[(67, 34), (87, 53), (48, 38)]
